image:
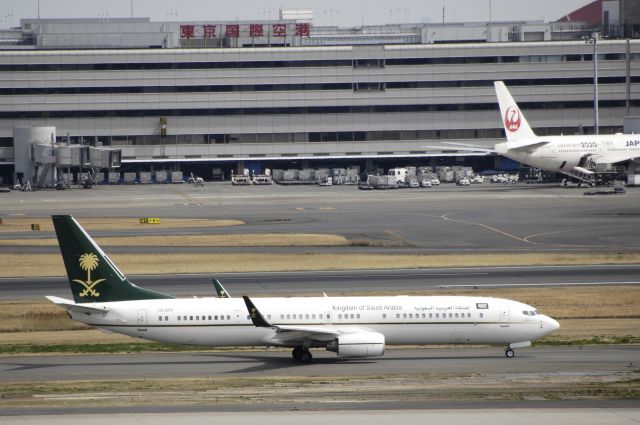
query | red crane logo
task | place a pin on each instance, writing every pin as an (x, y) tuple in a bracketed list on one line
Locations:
[(512, 119)]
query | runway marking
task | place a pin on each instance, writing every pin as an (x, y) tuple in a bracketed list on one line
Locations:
[(493, 229), (525, 239), (397, 236), (186, 196), (502, 285)]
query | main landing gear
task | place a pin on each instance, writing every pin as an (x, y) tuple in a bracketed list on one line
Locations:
[(301, 354), (509, 353)]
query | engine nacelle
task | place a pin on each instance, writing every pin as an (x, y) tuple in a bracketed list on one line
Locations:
[(360, 344)]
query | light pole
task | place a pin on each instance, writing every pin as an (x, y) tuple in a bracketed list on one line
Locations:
[(594, 41)]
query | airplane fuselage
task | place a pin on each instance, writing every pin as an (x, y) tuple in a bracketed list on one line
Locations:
[(401, 319), (564, 153)]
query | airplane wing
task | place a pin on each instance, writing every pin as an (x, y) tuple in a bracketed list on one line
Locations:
[(72, 306), (614, 158), (286, 334)]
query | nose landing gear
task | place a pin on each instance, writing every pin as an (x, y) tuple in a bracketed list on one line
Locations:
[(509, 353)]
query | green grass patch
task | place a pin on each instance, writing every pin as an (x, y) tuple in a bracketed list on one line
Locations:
[(595, 340), (97, 348)]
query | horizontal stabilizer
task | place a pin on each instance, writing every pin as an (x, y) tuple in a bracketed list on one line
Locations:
[(468, 147), (72, 306), (526, 145)]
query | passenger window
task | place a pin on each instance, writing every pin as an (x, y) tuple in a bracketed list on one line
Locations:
[(357, 316), (184, 317), (288, 316), (339, 316), (481, 315), (384, 315), (178, 317), (306, 316), (228, 317), (160, 318), (430, 315), (269, 316), (456, 315), (319, 316), (215, 317), (397, 315), (404, 316), (209, 317), (282, 316), (352, 315), (197, 317), (190, 317), (437, 315), (313, 316), (450, 315)]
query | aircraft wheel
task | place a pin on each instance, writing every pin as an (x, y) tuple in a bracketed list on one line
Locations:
[(296, 353), (509, 353), (305, 356)]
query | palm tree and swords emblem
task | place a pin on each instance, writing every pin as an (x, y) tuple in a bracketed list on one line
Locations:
[(89, 262)]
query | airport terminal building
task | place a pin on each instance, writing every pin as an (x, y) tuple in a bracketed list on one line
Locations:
[(197, 95)]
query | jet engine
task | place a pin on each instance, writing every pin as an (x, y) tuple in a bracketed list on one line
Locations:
[(360, 344)]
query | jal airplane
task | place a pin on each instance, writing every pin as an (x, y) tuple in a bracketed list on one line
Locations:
[(348, 326), (577, 156)]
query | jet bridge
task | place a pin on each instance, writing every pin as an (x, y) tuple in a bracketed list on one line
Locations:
[(40, 159)]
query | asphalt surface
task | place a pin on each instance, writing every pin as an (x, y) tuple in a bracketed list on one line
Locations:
[(362, 281), (546, 413), (572, 361), (445, 219), (449, 219)]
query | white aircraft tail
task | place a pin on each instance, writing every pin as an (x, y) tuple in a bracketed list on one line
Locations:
[(515, 124)]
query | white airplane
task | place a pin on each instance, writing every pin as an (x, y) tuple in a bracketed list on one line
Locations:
[(349, 326), (577, 156), (581, 156)]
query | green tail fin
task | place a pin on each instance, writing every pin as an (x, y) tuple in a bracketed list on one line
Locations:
[(220, 291), (92, 275)]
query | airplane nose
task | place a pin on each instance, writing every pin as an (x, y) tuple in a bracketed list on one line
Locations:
[(550, 324)]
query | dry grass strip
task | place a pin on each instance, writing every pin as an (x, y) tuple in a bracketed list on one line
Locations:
[(241, 240), (35, 265), (118, 223)]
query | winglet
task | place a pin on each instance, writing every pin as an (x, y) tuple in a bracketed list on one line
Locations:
[(220, 291), (256, 317)]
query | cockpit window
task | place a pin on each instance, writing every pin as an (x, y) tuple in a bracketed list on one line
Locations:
[(482, 306), (525, 312)]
